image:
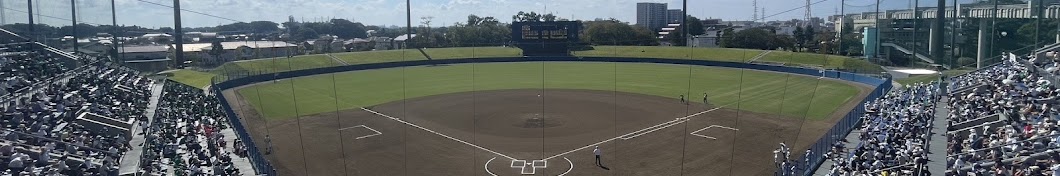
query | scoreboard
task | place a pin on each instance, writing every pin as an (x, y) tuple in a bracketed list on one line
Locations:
[(545, 38)]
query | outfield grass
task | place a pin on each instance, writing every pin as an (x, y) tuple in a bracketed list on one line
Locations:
[(473, 52), (715, 54), (380, 56), (191, 77), (272, 65), (821, 60), (765, 92)]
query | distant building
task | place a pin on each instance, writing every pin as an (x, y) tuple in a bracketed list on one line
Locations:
[(674, 15), (381, 43), (651, 15), (709, 39), (399, 41), (241, 50), (145, 58)]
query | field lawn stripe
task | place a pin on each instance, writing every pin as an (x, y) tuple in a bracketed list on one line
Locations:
[(432, 131), (641, 131), (768, 93)]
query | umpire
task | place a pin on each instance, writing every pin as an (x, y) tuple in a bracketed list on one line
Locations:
[(597, 152)]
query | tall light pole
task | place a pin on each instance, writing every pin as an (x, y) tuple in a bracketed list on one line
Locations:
[(29, 8), (73, 19), (114, 32), (178, 35), (408, 20)]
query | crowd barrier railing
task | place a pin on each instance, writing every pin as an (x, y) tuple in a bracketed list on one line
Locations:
[(836, 133)]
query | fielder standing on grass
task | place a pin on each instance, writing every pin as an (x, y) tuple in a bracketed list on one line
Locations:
[(597, 152), (705, 99)]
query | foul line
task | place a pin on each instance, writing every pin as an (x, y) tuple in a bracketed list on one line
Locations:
[(711, 126), (642, 131), (366, 127), (440, 134)]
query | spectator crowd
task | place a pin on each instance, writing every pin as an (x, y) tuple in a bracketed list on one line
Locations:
[(895, 131), (186, 135), (20, 68), (1024, 139), (41, 132), (81, 121)]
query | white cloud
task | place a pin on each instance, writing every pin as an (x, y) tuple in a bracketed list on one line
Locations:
[(391, 12)]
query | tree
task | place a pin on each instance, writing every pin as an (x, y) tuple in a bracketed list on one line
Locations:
[(808, 38), (800, 38), (548, 17), (726, 38), (534, 17), (263, 26), (216, 50), (614, 32), (526, 17), (695, 26), (478, 31), (346, 29), (756, 38)]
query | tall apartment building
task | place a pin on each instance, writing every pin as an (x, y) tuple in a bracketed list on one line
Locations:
[(674, 15), (651, 15)]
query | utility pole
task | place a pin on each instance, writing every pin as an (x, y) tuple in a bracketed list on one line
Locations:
[(29, 8), (1037, 23), (73, 19), (114, 33), (3, 14), (408, 15), (178, 36), (876, 20), (842, 26)]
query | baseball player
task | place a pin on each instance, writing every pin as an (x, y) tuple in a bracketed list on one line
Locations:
[(705, 99), (597, 152)]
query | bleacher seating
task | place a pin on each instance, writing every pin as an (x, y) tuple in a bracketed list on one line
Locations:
[(185, 137), (1025, 139), (894, 134), (43, 122), (21, 67)]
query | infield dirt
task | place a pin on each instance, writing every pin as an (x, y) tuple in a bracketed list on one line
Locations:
[(531, 124)]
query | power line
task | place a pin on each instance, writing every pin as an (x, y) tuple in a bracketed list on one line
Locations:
[(52, 17), (186, 10), (793, 9)]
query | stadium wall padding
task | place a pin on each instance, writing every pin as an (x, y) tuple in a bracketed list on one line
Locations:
[(823, 144)]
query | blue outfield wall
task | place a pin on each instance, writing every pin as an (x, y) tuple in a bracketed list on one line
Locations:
[(838, 132)]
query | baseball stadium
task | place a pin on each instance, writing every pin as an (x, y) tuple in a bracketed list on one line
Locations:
[(563, 87)]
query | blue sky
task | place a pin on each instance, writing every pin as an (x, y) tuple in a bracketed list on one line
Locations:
[(392, 12)]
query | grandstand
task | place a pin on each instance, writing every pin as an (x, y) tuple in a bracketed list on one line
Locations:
[(75, 114), (1005, 118), (81, 93)]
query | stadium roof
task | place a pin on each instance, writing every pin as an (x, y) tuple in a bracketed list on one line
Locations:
[(403, 37), (193, 47), (144, 49)]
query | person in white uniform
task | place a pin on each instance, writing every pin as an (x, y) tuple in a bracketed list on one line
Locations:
[(597, 152)]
